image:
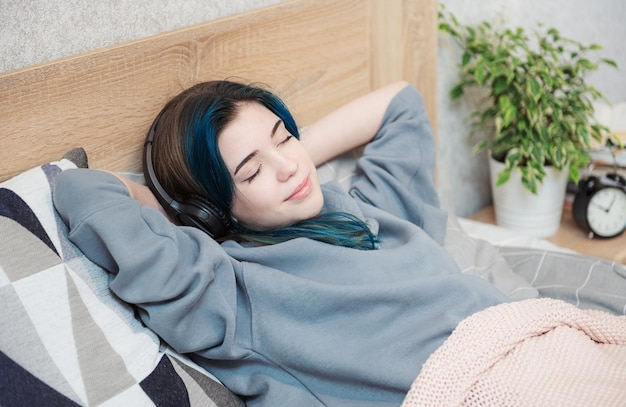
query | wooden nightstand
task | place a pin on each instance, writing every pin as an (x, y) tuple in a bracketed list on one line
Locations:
[(572, 237)]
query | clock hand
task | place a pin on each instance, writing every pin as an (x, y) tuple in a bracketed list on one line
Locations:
[(600, 206), (611, 204)]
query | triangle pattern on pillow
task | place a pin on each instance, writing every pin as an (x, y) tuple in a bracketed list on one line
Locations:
[(23, 253), (12, 206), (18, 387), (103, 370), (21, 341)]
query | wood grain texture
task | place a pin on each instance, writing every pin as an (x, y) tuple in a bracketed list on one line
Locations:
[(570, 236), (315, 54), (404, 46)]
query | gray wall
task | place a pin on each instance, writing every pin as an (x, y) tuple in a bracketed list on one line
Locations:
[(463, 178), (32, 32)]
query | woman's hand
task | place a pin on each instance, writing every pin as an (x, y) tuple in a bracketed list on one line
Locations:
[(142, 193), (349, 126)]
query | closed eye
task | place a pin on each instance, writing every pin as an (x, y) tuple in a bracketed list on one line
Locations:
[(289, 137), (258, 171), (253, 176)]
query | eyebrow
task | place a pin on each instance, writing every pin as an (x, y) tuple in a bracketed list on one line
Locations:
[(255, 152)]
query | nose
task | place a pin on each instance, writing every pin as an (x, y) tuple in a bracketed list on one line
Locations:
[(286, 167)]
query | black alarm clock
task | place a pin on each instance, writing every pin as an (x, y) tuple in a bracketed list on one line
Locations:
[(600, 205)]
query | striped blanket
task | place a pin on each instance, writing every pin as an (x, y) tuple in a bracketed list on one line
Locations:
[(537, 352)]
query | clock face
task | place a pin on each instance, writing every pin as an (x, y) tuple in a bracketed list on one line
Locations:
[(606, 213)]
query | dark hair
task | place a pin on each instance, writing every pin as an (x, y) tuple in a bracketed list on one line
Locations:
[(187, 161)]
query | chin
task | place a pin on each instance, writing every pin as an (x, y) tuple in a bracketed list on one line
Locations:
[(314, 207), (307, 209), (315, 204)]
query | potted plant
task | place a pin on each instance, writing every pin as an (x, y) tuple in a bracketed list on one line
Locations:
[(537, 113)]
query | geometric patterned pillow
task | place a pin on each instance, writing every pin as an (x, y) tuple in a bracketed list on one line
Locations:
[(65, 339)]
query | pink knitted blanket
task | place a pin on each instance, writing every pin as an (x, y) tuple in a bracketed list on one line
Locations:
[(539, 352)]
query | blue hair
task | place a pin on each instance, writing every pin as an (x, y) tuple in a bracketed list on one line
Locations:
[(207, 113)]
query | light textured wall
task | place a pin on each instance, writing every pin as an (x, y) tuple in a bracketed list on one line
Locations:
[(35, 31), (464, 179)]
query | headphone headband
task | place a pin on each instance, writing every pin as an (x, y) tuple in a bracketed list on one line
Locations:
[(195, 210)]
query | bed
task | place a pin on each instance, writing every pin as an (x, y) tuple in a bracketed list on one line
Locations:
[(66, 339)]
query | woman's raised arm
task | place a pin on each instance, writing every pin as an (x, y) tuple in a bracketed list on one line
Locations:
[(349, 126)]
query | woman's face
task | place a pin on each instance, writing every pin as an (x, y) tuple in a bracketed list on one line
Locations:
[(275, 179)]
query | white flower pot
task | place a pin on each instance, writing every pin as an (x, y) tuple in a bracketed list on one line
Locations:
[(520, 210)]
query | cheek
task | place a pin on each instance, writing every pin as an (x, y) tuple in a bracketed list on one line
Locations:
[(240, 206), (246, 205)]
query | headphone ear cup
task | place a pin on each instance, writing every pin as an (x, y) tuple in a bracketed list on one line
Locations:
[(203, 214)]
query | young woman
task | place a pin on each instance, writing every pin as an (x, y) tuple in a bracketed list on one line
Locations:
[(313, 296)]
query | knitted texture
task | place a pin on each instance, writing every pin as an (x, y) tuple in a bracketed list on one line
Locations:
[(539, 352)]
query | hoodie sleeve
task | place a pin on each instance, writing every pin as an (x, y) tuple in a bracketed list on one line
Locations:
[(396, 171), (178, 277)]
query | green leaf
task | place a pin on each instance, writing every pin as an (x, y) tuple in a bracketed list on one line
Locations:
[(503, 177), (480, 146), (585, 63), (535, 88), (560, 156), (554, 33), (574, 173), (500, 85), (508, 110), (471, 32), (538, 156), (583, 134), (499, 123), (457, 91), (528, 180), (479, 72), (547, 79), (512, 158), (466, 58), (536, 169), (487, 114)]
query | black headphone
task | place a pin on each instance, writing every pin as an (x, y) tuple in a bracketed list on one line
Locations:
[(195, 210)]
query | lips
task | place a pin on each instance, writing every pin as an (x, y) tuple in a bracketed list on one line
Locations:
[(301, 191)]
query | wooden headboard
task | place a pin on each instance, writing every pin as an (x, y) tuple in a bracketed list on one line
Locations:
[(315, 54)]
